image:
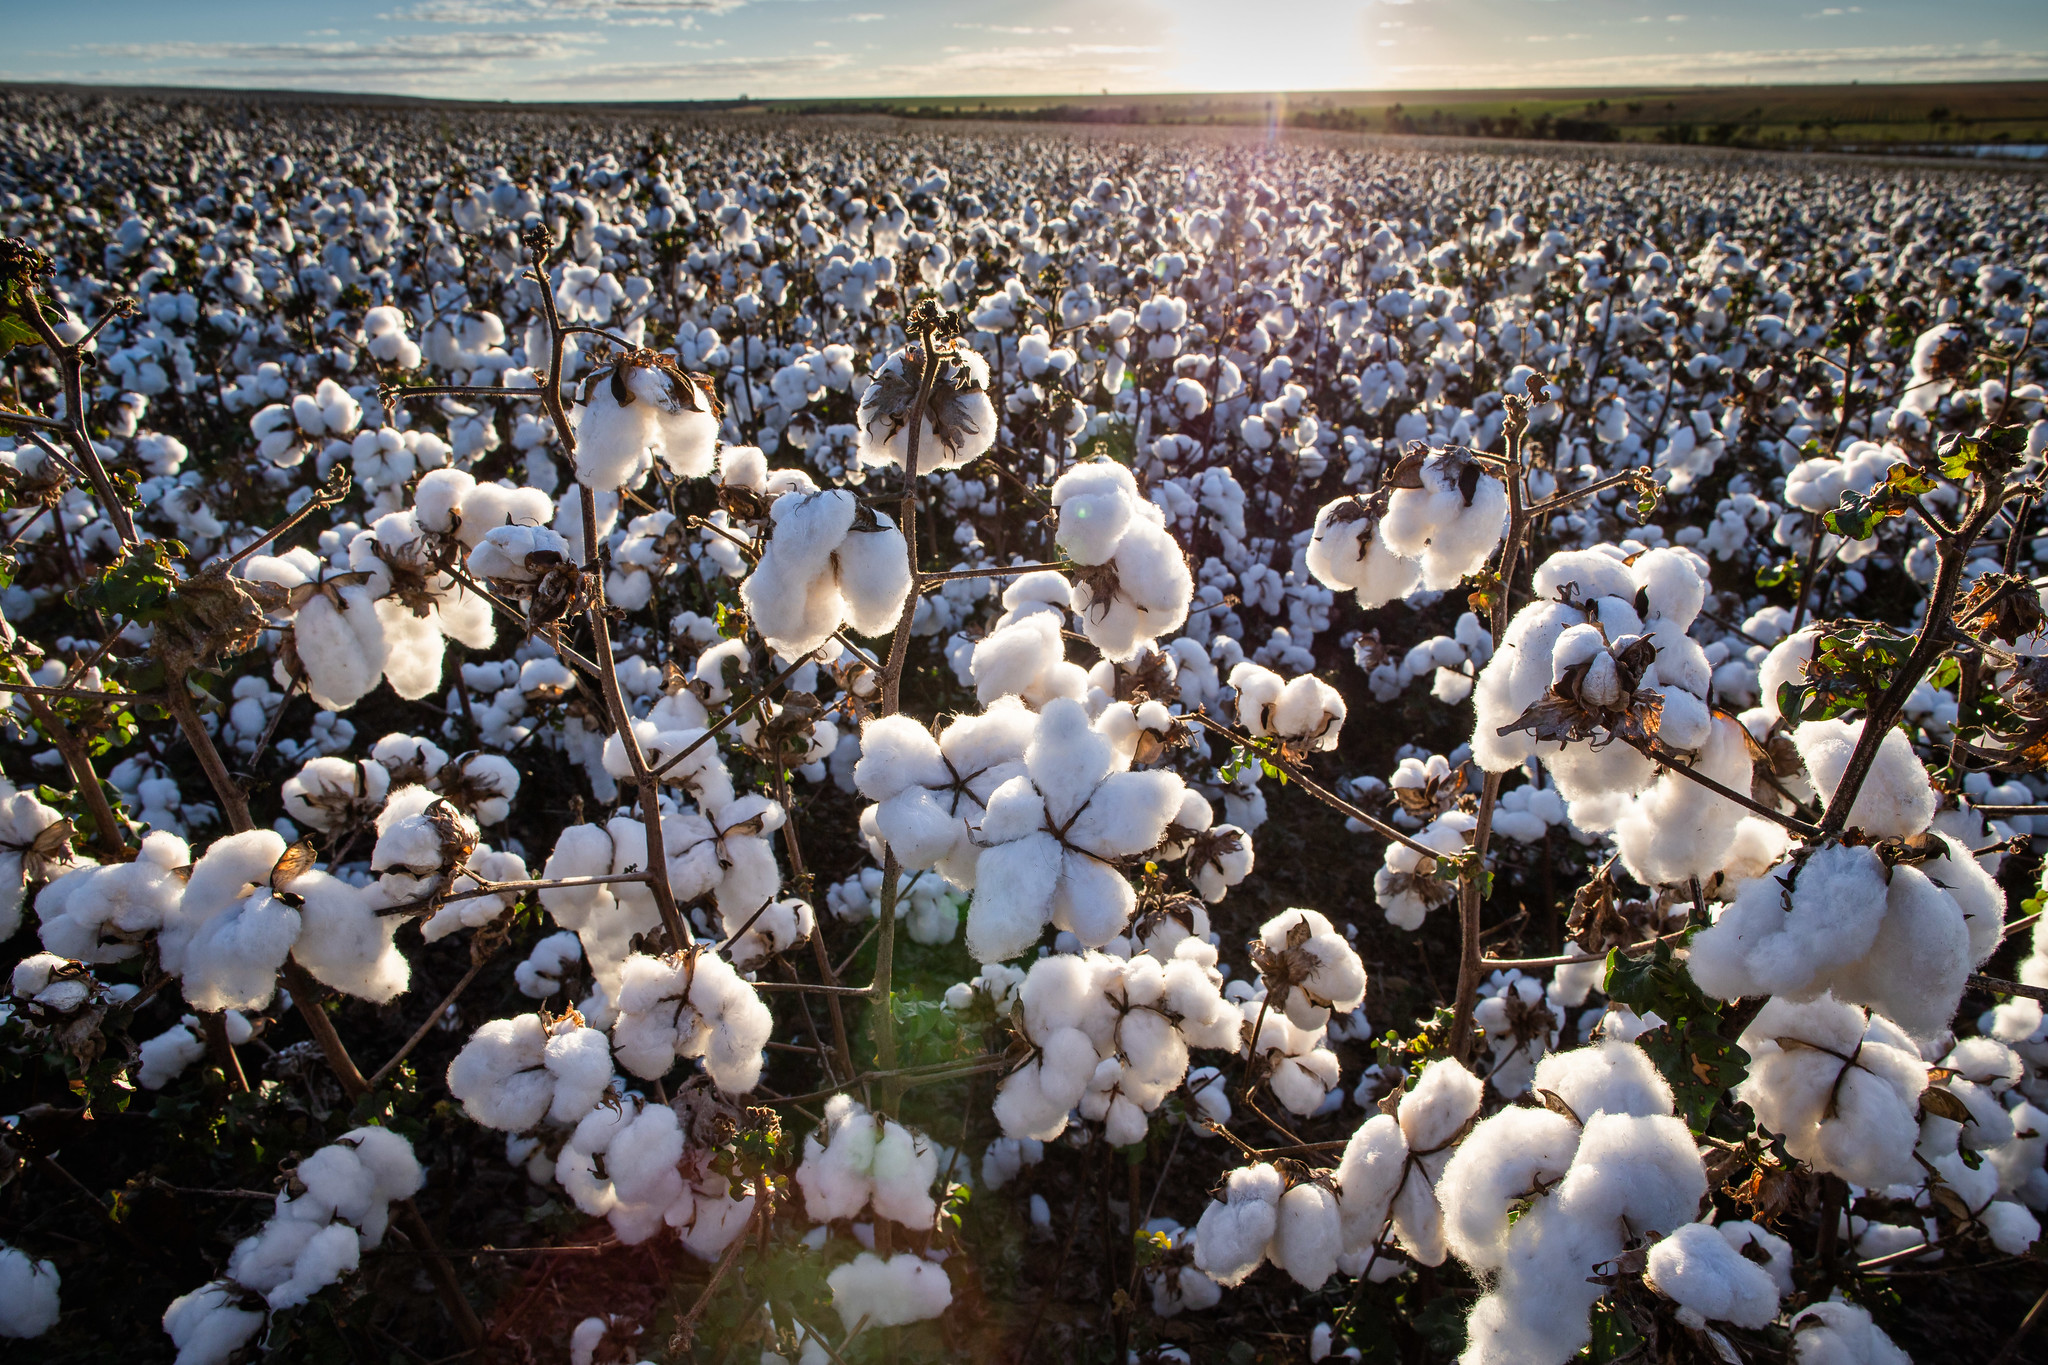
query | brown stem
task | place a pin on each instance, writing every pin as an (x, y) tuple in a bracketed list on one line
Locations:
[(214, 1025), (234, 801), (1669, 763), (419, 1034), (108, 832)]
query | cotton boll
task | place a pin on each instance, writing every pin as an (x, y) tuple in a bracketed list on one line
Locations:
[(166, 1056), (342, 645), (231, 933), (1605, 1078), (1515, 1153), (1709, 1279), (1786, 662), (1344, 553), (327, 790), (1771, 940), (1451, 523), (1096, 502), (1857, 1120), (210, 1324), (345, 943), (904, 1288), (1679, 829), (1896, 800), (791, 595), (1917, 965), (1776, 1249), (28, 1295), (1307, 1235), (874, 577), (1326, 972), (1842, 1334), (1232, 1236), (1975, 893), (95, 913)]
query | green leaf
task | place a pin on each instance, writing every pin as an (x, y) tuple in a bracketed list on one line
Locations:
[(1690, 1050), (137, 587)]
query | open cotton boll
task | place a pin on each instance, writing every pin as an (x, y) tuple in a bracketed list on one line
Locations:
[(1310, 968), (231, 933), (1605, 1078), (342, 645), (904, 1288), (1855, 1118), (166, 1056), (690, 1005), (1026, 658), (860, 1161), (1451, 523), (344, 942), (28, 1295), (96, 913), (1896, 800), (616, 425), (327, 791), (791, 594), (1096, 502), (518, 554), (1919, 962), (1307, 1235), (1344, 552), (1842, 1334), (515, 1072), (959, 424), (1505, 1158), (1772, 940), (1141, 595), (1232, 1235), (1709, 1280), (210, 1324), (1680, 829), (1786, 662)]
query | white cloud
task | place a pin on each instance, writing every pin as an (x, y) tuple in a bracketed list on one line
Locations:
[(1018, 29)]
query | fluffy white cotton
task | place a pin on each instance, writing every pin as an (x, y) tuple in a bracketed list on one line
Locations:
[(513, 1073), (28, 1294), (1321, 972), (231, 933), (1710, 1280), (692, 1005), (1842, 1334), (1843, 1089), (1896, 800), (1232, 1236), (888, 1293), (1451, 523), (854, 1161)]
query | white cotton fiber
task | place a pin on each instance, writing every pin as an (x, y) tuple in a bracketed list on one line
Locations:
[(1307, 1235), (1231, 1238), (1896, 800), (1773, 940), (28, 1295), (1842, 1334), (888, 1293), (1710, 1280)]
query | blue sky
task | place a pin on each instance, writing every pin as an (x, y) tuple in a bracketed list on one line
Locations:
[(683, 49)]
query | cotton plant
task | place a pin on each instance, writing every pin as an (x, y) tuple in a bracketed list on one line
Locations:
[(540, 588), (338, 1206)]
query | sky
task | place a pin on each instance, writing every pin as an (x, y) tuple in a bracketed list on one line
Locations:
[(720, 49)]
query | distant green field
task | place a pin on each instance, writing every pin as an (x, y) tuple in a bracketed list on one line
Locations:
[(1786, 116)]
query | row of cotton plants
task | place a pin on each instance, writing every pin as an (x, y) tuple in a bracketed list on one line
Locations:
[(751, 702)]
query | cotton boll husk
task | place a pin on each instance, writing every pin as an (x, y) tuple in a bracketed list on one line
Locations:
[(1896, 800), (1605, 1078), (1707, 1277), (1096, 502), (1917, 965), (29, 1304), (208, 1325), (1307, 1235), (874, 578), (345, 943), (1310, 709), (903, 1289), (1679, 829), (1842, 1334), (343, 648), (1513, 680), (1503, 1158), (1757, 947)]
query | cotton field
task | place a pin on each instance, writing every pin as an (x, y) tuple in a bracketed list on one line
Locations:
[(633, 738)]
